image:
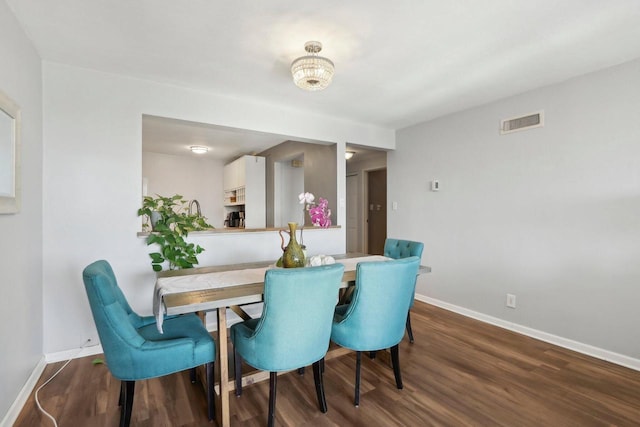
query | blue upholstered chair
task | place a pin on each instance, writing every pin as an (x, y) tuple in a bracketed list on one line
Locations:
[(294, 328), (396, 249), (375, 318), (133, 347)]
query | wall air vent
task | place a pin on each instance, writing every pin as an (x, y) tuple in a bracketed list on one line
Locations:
[(529, 121)]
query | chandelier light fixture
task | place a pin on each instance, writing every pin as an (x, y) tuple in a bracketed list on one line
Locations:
[(312, 72)]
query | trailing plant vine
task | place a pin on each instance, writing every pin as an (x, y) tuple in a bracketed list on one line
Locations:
[(173, 223)]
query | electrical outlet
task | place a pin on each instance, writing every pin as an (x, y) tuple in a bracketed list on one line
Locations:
[(511, 301), (91, 340)]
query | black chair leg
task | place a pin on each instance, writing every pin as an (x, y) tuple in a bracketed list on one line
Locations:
[(372, 355), (211, 394), (121, 398), (301, 371), (409, 331), (273, 379), (317, 377), (356, 400), (125, 415), (322, 365), (192, 375), (395, 360), (237, 372)]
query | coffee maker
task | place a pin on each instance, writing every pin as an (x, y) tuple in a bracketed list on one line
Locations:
[(235, 219)]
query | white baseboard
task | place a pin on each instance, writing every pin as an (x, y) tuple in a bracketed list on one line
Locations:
[(75, 353), (599, 353), (14, 410)]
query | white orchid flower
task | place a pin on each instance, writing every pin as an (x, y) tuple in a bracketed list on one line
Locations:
[(306, 198)]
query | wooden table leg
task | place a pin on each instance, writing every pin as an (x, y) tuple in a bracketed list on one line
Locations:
[(223, 368), (346, 293), (240, 312)]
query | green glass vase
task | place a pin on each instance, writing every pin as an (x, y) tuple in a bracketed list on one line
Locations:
[(293, 255)]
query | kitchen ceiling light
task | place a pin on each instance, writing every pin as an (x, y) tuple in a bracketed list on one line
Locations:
[(198, 149), (312, 72), (349, 154)]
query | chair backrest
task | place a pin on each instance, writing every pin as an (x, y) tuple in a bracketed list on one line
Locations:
[(115, 320), (378, 311), (396, 249), (295, 326)]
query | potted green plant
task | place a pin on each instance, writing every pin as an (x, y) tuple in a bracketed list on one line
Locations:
[(172, 223)]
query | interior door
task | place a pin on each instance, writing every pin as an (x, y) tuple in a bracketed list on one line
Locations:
[(376, 211)]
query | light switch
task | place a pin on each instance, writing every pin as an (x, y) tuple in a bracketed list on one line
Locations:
[(394, 206), (435, 185)]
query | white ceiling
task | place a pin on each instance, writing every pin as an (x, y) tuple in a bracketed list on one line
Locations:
[(175, 137), (397, 62)]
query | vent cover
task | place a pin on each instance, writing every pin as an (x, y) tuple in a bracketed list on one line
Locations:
[(529, 121)]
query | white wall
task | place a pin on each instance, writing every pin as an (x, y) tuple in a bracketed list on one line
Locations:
[(551, 215), (93, 169), (191, 177), (21, 233), (288, 184)]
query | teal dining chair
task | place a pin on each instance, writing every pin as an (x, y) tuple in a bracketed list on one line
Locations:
[(294, 328), (375, 317), (133, 347), (396, 249)]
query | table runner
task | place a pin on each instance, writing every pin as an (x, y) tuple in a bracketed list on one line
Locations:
[(221, 279)]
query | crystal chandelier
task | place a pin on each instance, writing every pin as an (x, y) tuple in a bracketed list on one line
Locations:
[(312, 72)]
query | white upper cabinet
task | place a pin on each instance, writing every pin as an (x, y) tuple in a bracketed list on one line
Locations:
[(244, 186)]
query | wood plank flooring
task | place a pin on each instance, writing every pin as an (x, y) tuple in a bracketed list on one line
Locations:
[(459, 372)]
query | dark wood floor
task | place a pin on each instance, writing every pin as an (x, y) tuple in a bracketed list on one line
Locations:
[(459, 372)]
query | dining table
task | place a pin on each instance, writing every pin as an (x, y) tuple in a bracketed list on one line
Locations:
[(218, 288)]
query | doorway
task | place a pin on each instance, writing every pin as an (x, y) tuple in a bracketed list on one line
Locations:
[(376, 211), (366, 206)]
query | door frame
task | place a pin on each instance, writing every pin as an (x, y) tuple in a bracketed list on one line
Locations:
[(365, 206)]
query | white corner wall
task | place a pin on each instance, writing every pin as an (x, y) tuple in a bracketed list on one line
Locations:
[(92, 184), (551, 215), (21, 233)]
